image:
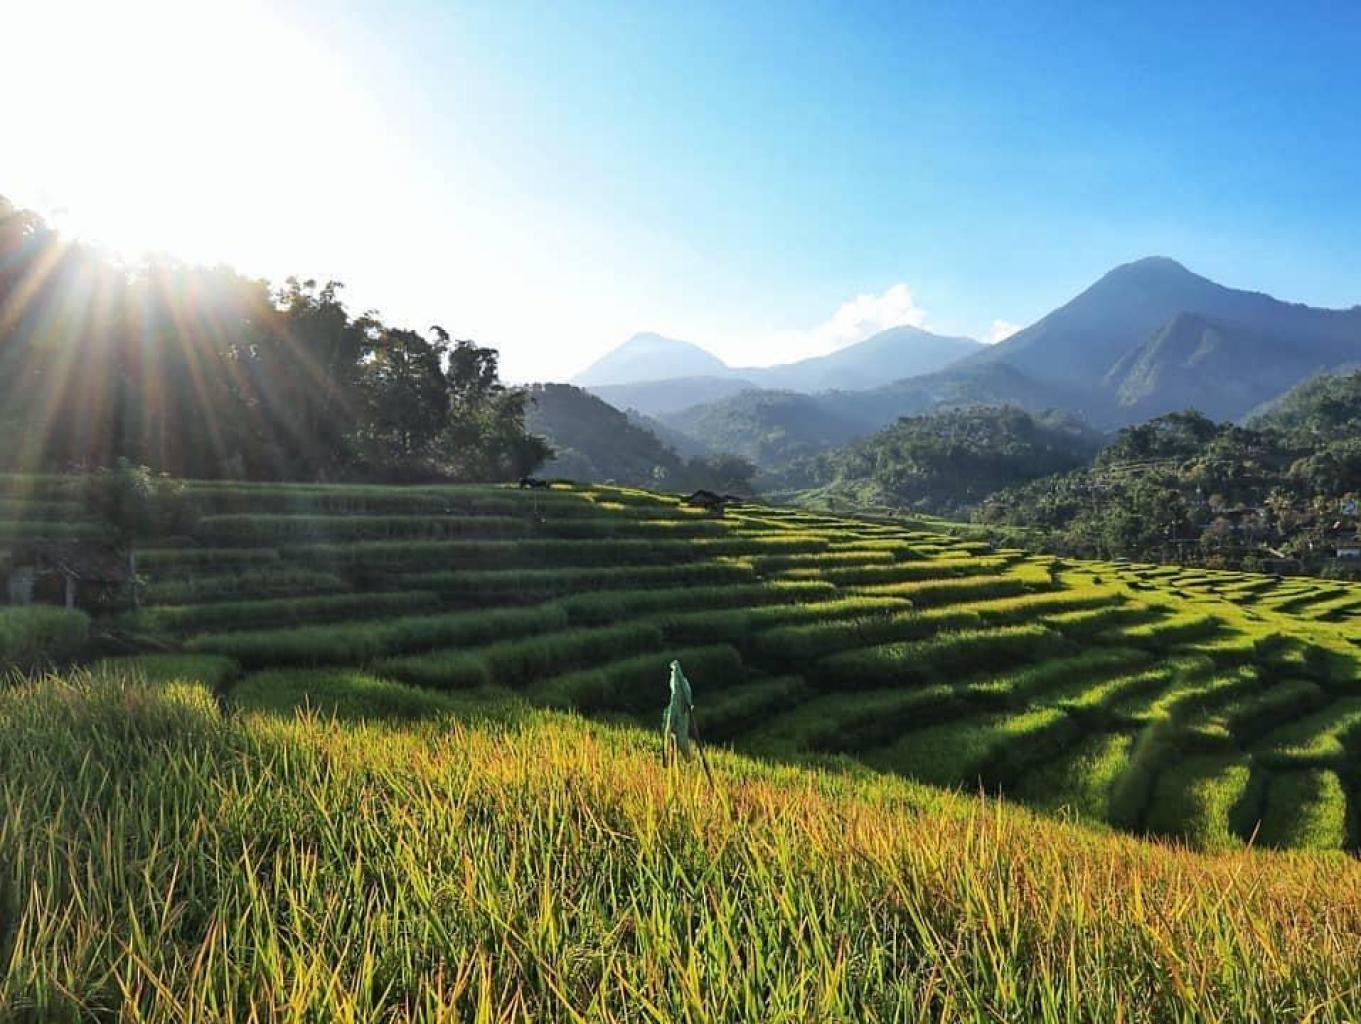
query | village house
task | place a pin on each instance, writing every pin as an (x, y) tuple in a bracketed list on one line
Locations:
[(1344, 540)]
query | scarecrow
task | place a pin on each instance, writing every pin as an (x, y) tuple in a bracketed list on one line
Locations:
[(676, 721)]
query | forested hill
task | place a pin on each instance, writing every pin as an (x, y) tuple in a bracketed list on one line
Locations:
[(1185, 487), (206, 373), (594, 441), (770, 428), (945, 462)]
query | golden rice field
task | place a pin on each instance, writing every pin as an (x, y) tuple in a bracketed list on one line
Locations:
[(952, 782)]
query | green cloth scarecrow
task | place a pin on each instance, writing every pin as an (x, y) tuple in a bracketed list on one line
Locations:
[(676, 720)]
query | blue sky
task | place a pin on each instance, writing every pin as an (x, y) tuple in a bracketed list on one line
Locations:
[(550, 178)]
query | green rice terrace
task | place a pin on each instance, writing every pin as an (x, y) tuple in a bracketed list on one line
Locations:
[(1212, 707), (323, 771)]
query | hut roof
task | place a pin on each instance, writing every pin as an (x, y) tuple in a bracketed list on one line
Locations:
[(703, 498), (82, 559)]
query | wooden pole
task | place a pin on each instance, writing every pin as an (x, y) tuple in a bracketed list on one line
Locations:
[(699, 747)]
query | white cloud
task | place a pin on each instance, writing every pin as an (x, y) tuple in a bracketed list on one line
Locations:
[(854, 320), (1002, 330), (864, 315)]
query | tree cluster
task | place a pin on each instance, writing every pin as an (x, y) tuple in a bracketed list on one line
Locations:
[(1183, 487), (202, 372), (945, 462)]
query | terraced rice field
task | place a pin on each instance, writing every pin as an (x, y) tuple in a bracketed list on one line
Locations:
[(1215, 708)]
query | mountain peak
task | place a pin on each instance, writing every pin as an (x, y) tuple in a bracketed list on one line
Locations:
[(649, 356), (652, 338), (1157, 262), (1152, 268)]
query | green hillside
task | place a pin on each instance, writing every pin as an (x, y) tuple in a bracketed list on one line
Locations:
[(1170, 702)]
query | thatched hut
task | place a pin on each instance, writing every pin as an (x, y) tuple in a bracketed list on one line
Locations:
[(77, 574), (704, 499)]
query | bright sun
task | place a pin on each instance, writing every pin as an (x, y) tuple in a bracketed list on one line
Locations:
[(172, 125)]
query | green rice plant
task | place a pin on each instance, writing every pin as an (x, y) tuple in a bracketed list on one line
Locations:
[(277, 581), (989, 750), (801, 574), (37, 636), (133, 817), (1132, 790), (1321, 740), (838, 537), (1246, 588), (1053, 679), (1245, 648), (1250, 716), (348, 695), (48, 510), (542, 584), (397, 556), (639, 685), (1084, 623), (1095, 702), (1182, 628), (632, 496), (739, 626), (358, 643), (39, 485), (1267, 648), (260, 529), (213, 671), (900, 550), (622, 526), (909, 572), (1026, 607), (935, 658), (798, 644), (926, 593), (12, 530), (1080, 780), (853, 723), (1311, 599), (1329, 667), (729, 712), (371, 499), (613, 605), (823, 560), (1339, 608), (1206, 801), (1194, 687), (515, 663), (599, 508), (279, 612), (1304, 810), (166, 561)]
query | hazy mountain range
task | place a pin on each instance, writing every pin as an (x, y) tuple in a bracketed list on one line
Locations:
[(1149, 337), (659, 375)]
